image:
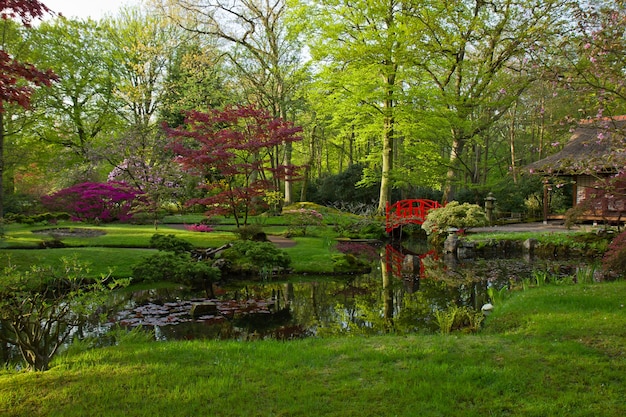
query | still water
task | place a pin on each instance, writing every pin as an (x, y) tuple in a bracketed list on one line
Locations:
[(400, 295)]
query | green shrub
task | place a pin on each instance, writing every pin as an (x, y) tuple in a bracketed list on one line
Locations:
[(246, 256), (365, 228), (173, 263), (348, 263), (36, 218), (170, 243), (162, 266), (250, 232), (454, 215)]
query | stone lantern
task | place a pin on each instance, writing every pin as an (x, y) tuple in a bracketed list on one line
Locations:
[(490, 204)]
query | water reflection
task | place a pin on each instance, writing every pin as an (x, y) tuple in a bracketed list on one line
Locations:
[(400, 295)]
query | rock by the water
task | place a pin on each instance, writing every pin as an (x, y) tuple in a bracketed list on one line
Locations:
[(203, 309)]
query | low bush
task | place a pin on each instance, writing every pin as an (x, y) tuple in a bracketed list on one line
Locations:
[(249, 257), (36, 218), (174, 263), (170, 243), (250, 232), (454, 215)]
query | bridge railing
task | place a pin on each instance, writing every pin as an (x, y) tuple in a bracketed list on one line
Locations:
[(408, 211)]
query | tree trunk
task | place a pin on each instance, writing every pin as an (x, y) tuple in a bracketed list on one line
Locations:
[(388, 138), (451, 177), (512, 143), (308, 168), (1, 164), (387, 164), (288, 181)]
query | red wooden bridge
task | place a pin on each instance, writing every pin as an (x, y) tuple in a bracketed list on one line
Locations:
[(407, 212)]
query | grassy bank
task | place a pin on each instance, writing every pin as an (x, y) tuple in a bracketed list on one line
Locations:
[(548, 351), (119, 247)]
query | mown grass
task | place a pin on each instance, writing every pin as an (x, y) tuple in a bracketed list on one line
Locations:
[(122, 245), (548, 351)]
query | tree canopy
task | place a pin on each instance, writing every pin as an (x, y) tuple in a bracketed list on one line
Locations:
[(453, 97)]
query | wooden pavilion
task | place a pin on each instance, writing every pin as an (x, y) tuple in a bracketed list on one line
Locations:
[(595, 151)]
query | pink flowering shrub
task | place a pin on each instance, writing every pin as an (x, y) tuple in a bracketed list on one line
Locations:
[(95, 202), (301, 219), (198, 228)]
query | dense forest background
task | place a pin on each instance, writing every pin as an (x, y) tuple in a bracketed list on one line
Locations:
[(396, 99)]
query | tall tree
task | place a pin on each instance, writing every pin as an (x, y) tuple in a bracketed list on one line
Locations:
[(17, 79), (478, 54), (261, 50), (82, 107), (196, 80), (145, 43), (364, 49)]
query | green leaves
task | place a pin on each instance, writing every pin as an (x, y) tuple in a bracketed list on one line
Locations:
[(39, 308), (454, 215)]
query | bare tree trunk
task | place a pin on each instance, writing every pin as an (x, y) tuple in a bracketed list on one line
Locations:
[(388, 138), (450, 188), (512, 143)]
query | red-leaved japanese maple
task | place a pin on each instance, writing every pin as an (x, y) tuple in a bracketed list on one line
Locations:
[(235, 154), (17, 77), (97, 202)]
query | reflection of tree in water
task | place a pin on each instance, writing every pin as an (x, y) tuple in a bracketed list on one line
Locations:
[(374, 303)]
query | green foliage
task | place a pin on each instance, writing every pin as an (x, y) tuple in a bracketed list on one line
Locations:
[(463, 319), (36, 218), (454, 214), (361, 228), (348, 263), (445, 319), (173, 263), (497, 297), (523, 196), (40, 308), (343, 187), (170, 243), (247, 256), (162, 266), (250, 232)]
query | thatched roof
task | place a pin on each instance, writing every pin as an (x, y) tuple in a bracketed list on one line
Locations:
[(596, 146)]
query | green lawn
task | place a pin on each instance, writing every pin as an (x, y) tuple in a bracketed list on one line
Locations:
[(548, 351), (121, 246)]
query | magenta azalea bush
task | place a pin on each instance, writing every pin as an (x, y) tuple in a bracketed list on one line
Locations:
[(198, 228), (95, 202)]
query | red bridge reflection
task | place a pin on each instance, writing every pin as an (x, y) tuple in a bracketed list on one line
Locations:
[(405, 264)]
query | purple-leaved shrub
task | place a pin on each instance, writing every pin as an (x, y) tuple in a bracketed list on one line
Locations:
[(359, 250), (615, 257)]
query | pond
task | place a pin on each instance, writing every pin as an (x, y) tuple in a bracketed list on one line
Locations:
[(400, 295)]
